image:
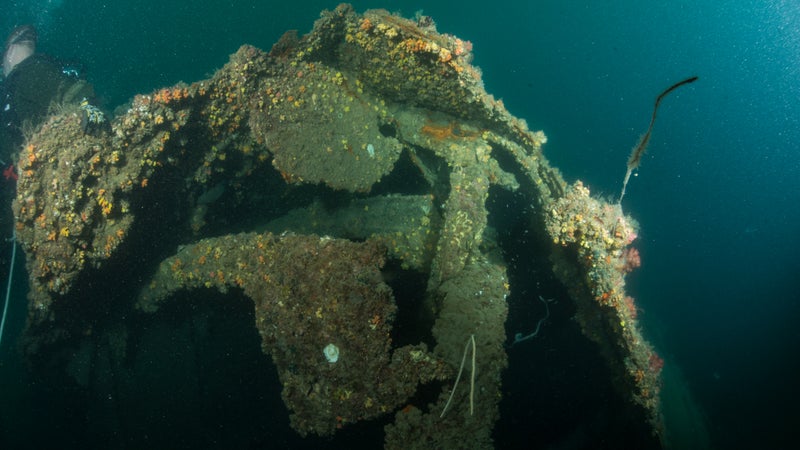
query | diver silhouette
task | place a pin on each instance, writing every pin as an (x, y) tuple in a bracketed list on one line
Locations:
[(32, 83)]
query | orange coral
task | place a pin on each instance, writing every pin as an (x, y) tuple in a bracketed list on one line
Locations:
[(31, 155), (163, 96), (462, 47), (415, 45), (179, 93)]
